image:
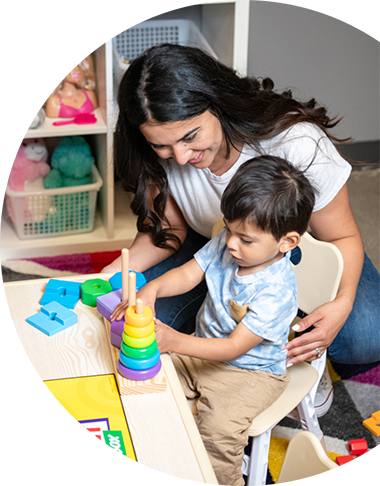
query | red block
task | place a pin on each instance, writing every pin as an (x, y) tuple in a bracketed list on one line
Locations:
[(357, 447), (340, 460)]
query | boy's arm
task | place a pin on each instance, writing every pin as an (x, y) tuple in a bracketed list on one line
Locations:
[(175, 282), (239, 342)]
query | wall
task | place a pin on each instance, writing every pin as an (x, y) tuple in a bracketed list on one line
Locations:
[(321, 57)]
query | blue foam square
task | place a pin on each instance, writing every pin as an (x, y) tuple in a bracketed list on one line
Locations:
[(64, 292), (53, 318), (116, 282)]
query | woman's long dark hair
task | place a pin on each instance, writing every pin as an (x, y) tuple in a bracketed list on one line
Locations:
[(173, 83)]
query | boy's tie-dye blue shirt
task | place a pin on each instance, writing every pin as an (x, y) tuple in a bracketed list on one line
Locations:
[(270, 293)]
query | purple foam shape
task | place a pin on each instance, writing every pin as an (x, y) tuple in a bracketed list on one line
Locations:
[(117, 327), (107, 303), (116, 340), (138, 375)]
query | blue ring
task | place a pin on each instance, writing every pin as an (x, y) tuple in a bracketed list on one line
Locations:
[(139, 364)]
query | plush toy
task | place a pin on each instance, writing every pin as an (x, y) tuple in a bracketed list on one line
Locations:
[(71, 164), (30, 164)]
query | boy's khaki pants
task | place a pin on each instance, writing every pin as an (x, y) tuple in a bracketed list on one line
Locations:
[(228, 400)]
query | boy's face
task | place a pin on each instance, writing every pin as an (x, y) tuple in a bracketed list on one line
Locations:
[(251, 247)]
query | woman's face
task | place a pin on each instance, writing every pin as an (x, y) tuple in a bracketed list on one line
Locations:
[(198, 141)]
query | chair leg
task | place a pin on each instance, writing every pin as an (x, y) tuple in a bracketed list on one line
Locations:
[(309, 420), (319, 365), (258, 462)]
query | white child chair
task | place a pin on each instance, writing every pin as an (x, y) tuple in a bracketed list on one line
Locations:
[(318, 276)]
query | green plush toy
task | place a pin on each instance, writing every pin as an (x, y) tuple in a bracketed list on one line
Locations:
[(71, 164)]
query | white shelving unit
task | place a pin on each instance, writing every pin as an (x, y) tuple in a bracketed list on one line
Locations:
[(241, 31), (113, 229)]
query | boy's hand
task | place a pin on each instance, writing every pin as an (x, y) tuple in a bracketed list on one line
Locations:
[(119, 311), (148, 295), (165, 336)]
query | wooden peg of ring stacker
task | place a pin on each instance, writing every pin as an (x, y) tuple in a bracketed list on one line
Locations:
[(158, 383)]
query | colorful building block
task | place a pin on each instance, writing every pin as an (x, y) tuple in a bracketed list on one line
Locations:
[(359, 447), (64, 292), (53, 318), (107, 303), (116, 280), (346, 470), (373, 423), (93, 288)]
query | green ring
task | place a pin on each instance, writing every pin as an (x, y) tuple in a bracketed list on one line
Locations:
[(139, 353), (139, 342)]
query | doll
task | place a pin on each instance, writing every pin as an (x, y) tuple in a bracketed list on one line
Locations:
[(75, 95)]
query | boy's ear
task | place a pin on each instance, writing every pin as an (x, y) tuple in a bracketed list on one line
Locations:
[(289, 241)]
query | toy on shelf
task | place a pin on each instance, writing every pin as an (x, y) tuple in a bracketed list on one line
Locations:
[(30, 165), (75, 94), (71, 163), (38, 119), (80, 119), (29, 169)]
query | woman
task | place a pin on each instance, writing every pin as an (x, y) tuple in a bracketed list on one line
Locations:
[(186, 123)]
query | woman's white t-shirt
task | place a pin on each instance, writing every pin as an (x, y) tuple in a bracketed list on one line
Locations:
[(198, 192)]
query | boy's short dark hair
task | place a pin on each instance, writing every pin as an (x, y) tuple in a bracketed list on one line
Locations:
[(271, 193)]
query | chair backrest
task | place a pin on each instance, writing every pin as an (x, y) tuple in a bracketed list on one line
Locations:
[(318, 272)]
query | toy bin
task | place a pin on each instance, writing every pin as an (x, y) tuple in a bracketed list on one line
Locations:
[(54, 212), (134, 41)]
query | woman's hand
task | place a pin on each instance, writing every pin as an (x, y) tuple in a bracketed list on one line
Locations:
[(327, 320), (165, 336)]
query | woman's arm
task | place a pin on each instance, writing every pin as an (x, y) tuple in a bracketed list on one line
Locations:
[(143, 254), (239, 342), (335, 224)]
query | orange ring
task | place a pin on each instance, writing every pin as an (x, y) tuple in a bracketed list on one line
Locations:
[(139, 332), (138, 320)]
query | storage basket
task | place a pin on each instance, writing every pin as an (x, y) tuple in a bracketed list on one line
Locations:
[(134, 41), (54, 212)]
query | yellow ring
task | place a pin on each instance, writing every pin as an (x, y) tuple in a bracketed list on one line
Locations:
[(139, 332), (138, 320), (138, 342)]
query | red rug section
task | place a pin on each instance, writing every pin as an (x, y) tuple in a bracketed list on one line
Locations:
[(80, 263), (99, 260)]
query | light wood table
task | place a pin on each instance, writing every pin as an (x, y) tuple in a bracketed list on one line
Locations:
[(166, 440)]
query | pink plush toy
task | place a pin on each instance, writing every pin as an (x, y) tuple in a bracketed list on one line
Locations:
[(30, 164)]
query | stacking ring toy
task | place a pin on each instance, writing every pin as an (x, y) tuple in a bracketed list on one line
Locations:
[(138, 375), (139, 342), (140, 364), (139, 353), (139, 332), (138, 320)]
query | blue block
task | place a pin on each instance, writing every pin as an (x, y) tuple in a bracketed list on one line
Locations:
[(62, 291), (53, 318), (116, 282)]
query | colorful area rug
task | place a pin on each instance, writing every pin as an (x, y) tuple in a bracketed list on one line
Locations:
[(356, 387)]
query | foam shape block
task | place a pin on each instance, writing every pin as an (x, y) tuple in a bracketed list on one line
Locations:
[(117, 327), (357, 447), (116, 282), (93, 288), (340, 460), (64, 292), (53, 318), (107, 303), (373, 423), (116, 340)]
